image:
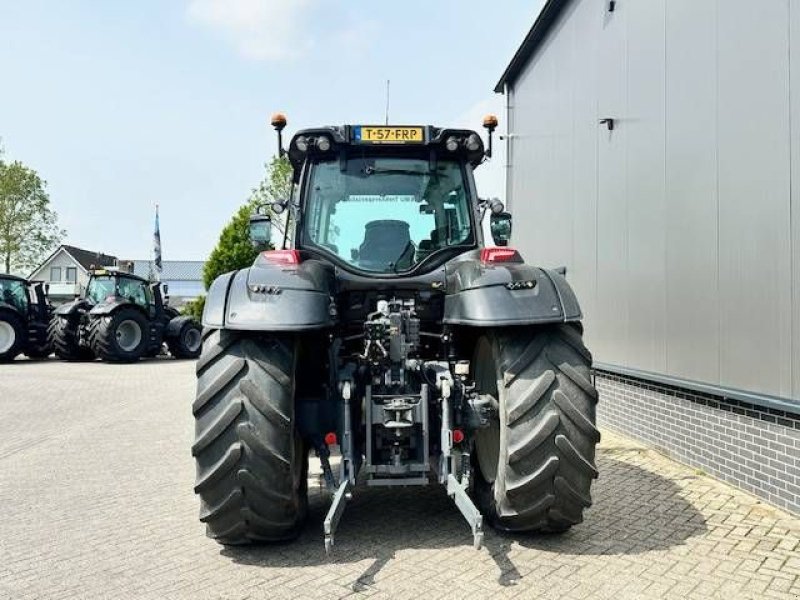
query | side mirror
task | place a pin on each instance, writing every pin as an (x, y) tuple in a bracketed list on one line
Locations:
[(500, 226), (165, 287), (278, 206), (260, 231)]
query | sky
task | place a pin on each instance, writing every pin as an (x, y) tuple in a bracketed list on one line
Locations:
[(122, 105)]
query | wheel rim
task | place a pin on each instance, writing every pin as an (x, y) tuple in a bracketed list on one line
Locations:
[(129, 335), (487, 441), (192, 339), (7, 336)]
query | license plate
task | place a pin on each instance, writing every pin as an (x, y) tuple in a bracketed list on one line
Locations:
[(388, 135)]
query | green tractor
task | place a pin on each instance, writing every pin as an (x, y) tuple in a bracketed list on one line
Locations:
[(24, 316), (384, 327), (121, 318)]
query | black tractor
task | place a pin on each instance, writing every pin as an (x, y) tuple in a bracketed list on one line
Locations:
[(24, 315), (383, 327), (122, 318)]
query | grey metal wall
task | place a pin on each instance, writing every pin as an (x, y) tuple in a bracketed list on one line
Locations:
[(680, 228)]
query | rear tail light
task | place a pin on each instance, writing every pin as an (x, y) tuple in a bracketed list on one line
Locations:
[(495, 255), (281, 257)]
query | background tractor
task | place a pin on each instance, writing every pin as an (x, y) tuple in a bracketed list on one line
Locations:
[(24, 316), (121, 318), (384, 327)]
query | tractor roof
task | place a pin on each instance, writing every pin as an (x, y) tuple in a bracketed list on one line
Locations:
[(374, 140), (13, 277), (115, 272)]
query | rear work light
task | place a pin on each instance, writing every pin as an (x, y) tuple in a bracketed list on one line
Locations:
[(281, 257), (495, 255)]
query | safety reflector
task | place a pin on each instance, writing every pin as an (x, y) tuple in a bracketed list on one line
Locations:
[(282, 257), (330, 439), (493, 255), (458, 436)]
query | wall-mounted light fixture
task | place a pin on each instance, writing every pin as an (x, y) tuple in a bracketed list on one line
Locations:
[(608, 123)]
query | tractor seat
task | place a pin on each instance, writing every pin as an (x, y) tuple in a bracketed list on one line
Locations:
[(386, 242)]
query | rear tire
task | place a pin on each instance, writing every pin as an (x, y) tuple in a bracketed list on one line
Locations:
[(535, 467), (38, 352), (188, 342), (123, 337), (13, 335), (252, 465), (63, 336)]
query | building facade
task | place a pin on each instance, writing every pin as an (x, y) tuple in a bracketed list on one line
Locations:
[(184, 278), (654, 150)]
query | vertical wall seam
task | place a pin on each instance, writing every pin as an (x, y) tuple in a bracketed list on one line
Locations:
[(793, 299), (717, 194), (597, 169), (665, 206), (573, 112), (626, 191), (509, 141)]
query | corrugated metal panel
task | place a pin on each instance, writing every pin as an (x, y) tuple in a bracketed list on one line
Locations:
[(681, 219), (692, 297), (541, 200), (645, 135), (795, 133), (185, 270), (611, 326), (582, 271), (754, 218)]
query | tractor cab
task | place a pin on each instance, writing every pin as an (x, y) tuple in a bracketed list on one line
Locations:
[(27, 297), (24, 316), (386, 200), (14, 293), (114, 286)]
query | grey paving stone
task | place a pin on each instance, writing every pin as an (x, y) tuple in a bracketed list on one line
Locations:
[(96, 502)]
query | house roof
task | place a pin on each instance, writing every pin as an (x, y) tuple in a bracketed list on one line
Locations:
[(175, 270), (84, 258), (536, 35), (87, 258)]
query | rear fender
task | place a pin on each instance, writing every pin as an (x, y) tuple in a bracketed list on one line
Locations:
[(507, 293), (4, 306), (270, 297), (106, 308), (175, 325), (71, 308)]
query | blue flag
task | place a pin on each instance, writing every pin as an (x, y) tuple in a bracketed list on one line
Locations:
[(157, 248)]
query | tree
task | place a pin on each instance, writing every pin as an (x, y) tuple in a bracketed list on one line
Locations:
[(28, 226), (276, 185), (194, 308), (234, 250)]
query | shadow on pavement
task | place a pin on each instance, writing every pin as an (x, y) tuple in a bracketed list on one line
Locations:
[(634, 511), (154, 360)]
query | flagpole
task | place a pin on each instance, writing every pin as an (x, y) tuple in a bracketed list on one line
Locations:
[(157, 264)]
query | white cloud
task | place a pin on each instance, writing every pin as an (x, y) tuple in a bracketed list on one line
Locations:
[(261, 29)]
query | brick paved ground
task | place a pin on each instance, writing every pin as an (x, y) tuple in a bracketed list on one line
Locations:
[(96, 502)]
